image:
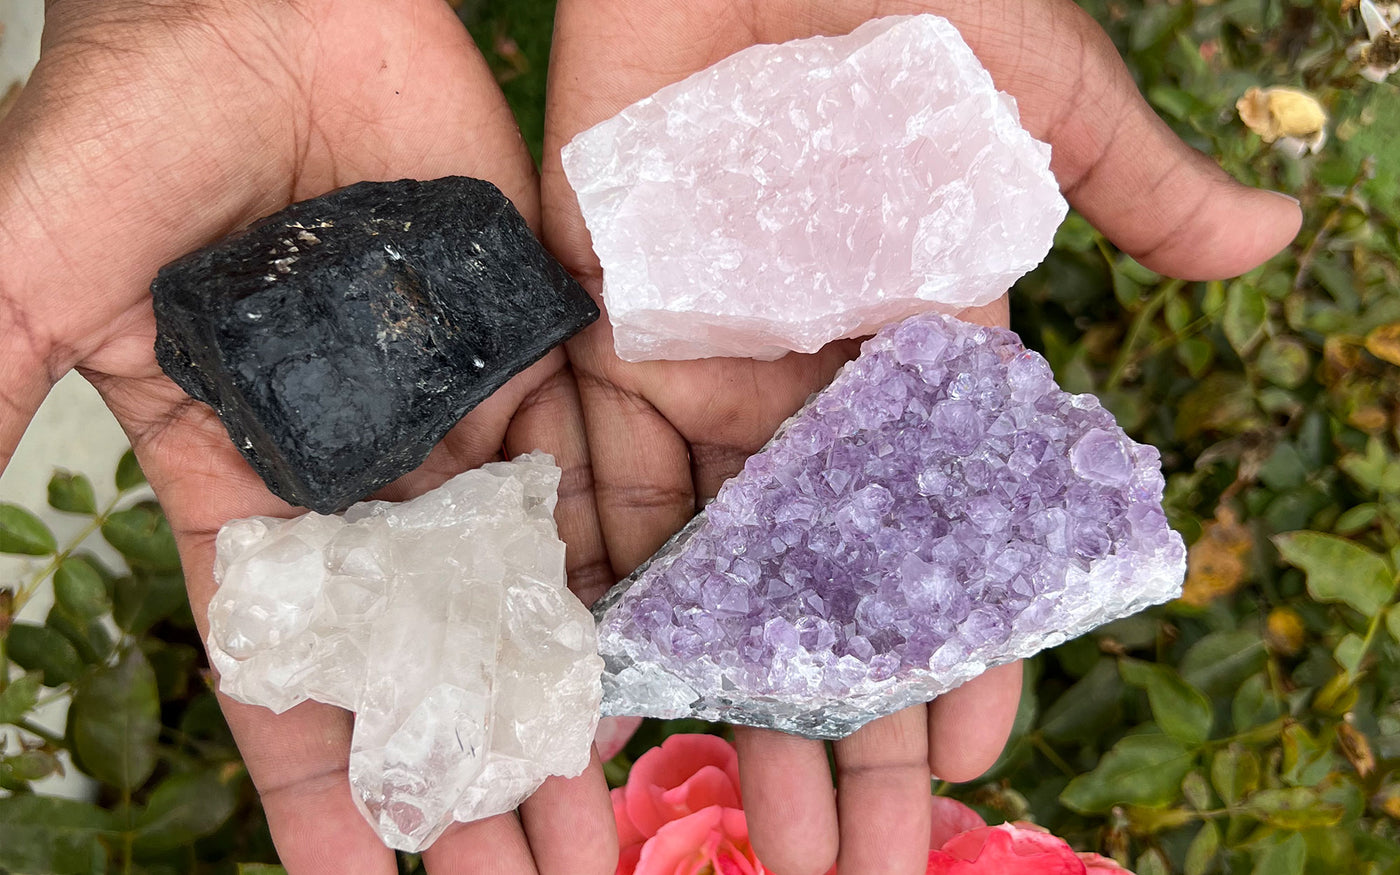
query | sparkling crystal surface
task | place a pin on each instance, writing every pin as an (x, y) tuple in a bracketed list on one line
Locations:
[(443, 622), (339, 339), (942, 507), (794, 194)]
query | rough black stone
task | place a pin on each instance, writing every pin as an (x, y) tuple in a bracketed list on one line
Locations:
[(341, 338)]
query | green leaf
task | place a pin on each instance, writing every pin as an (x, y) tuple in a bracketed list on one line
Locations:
[(19, 698), (26, 766), (1284, 361), (1144, 770), (1339, 570), (1293, 808), (1088, 707), (71, 493), (142, 535), (1218, 663), (79, 589), (1234, 772), (1151, 862), (260, 869), (184, 807), (1179, 709), (1196, 791), (1283, 854), (1350, 651), (114, 720), (1245, 312), (143, 599), (1254, 704), (23, 533), (129, 474), (46, 834), (41, 649), (1392, 622), (1202, 850), (1307, 760), (91, 638)]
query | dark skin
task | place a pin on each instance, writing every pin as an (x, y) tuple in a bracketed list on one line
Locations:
[(665, 435), (152, 128)]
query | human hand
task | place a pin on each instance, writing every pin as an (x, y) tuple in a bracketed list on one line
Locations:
[(665, 435), (150, 129)]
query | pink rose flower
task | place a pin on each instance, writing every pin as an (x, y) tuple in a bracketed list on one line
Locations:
[(681, 814)]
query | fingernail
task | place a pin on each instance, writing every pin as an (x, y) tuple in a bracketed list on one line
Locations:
[(1287, 197)]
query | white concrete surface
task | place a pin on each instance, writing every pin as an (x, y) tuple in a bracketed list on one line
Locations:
[(22, 20)]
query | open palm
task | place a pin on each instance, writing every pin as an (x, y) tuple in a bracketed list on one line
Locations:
[(665, 435), (150, 129)]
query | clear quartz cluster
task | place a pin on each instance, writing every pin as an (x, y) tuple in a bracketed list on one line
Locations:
[(942, 507), (794, 194), (444, 622)]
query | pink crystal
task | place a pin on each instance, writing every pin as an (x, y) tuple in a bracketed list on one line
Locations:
[(795, 194)]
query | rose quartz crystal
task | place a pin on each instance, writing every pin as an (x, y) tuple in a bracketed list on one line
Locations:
[(794, 194)]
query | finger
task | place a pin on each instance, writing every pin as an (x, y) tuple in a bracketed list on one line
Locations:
[(1159, 200), (786, 785), (550, 418), (968, 726), (299, 759), (25, 377), (882, 796), (641, 473), (1121, 166), (569, 824), (494, 846), (299, 762)]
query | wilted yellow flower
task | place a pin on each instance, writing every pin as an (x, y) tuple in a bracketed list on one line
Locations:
[(1292, 118), (1217, 563), (1284, 631)]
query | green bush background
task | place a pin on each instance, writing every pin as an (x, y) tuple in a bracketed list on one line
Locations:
[(1253, 726)]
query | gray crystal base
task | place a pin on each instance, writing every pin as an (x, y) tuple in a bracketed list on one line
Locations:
[(941, 508)]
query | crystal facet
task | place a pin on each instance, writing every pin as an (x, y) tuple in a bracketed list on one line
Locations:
[(340, 338), (942, 507), (444, 622), (794, 194)]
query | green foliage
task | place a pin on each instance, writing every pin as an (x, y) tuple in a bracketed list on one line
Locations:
[(121, 647)]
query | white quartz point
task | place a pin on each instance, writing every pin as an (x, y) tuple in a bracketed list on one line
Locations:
[(794, 194), (444, 622)]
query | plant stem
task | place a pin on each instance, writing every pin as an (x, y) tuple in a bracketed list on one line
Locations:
[(27, 591), (1140, 321), (1049, 752)]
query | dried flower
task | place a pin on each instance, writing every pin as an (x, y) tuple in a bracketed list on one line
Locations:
[(1291, 118), (1379, 54)]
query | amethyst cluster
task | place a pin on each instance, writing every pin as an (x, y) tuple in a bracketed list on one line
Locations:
[(942, 507)]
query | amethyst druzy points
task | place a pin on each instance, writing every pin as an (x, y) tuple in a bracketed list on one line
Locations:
[(942, 507)]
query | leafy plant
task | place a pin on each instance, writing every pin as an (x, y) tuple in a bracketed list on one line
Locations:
[(171, 792)]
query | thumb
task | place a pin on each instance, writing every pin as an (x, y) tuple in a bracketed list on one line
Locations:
[(1162, 202)]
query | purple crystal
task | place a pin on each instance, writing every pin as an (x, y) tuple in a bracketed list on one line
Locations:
[(943, 506)]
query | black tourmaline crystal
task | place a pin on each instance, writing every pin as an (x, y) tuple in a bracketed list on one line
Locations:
[(341, 338)]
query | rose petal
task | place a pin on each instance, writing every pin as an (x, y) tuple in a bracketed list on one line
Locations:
[(714, 839), (685, 774), (951, 817), (613, 734), (1098, 865), (627, 833), (1005, 850)]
